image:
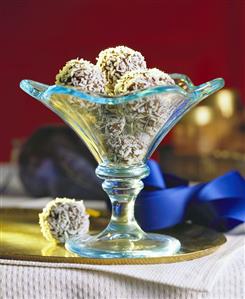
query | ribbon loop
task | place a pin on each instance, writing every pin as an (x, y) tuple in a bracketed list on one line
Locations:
[(167, 200)]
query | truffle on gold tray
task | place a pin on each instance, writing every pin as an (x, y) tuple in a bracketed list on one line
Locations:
[(115, 62), (62, 219), (82, 73)]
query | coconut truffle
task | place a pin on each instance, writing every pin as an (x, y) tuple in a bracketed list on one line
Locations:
[(148, 114), (82, 73), (140, 79), (125, 149), (115, 62), (62, 219)]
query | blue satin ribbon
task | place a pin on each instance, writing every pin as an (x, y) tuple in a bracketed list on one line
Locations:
[(167, 200)]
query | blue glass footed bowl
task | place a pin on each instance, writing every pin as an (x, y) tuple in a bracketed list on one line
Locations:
[(122, 132)]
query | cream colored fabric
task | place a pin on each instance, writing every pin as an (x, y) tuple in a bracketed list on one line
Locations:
[(34, 281), (220, 275)]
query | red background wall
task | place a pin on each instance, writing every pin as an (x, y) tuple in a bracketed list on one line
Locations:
[(204, 39)]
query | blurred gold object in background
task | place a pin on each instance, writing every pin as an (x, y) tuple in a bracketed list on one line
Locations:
[(226, 102), (209, 140), (210, 125)]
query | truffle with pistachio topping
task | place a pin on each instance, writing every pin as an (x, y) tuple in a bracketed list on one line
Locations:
[(140, 79), (82, 73), (115, 62), (62, 219)]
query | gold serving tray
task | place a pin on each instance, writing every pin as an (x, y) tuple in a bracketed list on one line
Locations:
[(21, 239)]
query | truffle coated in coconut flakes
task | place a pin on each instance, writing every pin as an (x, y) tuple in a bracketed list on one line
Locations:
[(136, 80), (62, 219), (125, 148), (82, 73), (115, 62)]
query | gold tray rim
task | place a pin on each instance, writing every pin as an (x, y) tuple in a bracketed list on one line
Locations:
[(113, 261), (110, 261)]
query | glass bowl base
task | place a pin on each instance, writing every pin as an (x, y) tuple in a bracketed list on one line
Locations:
[(121, 246)]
